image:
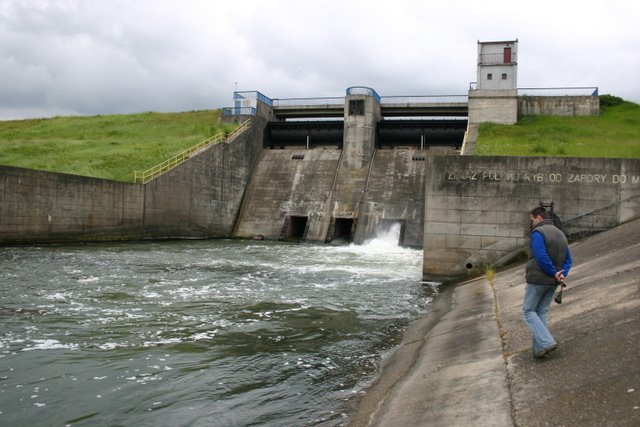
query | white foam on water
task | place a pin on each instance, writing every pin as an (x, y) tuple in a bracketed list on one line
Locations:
[(386, 240), (109, 346), (59, 297), (151, 294), (51, 345), (204, 335)]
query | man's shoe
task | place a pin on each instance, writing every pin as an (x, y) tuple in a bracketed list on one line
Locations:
[(545, 351)]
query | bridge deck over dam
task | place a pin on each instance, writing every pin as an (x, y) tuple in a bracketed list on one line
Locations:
[(391, 106)]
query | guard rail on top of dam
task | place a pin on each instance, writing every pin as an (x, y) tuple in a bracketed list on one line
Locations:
[(391, 106)]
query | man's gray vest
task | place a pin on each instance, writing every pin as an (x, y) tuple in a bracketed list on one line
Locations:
[(556, 244)]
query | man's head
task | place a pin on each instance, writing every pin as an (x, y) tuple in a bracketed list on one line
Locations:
[(538, 215)]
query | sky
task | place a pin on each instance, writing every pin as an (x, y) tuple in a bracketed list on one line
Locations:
[(89, 57)]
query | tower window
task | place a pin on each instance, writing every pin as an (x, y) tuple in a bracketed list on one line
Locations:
[(489, 76), (504, 76), (356, 107)]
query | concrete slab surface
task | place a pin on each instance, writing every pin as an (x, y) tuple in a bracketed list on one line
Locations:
[(469, 362)]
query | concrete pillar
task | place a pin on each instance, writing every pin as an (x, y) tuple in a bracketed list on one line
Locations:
[(361, 115), (494, 106)]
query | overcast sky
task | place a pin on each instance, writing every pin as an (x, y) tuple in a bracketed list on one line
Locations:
[(73, 57)]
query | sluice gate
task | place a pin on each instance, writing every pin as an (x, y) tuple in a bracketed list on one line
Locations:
[(408, 133), (308, 134), (421, 134)]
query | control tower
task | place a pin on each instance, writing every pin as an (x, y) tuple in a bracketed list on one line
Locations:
[(495, 96)]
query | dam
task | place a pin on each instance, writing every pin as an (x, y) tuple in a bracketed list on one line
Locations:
[(345, 168), (321, 179)]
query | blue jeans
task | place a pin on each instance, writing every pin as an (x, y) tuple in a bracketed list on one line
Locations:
[(537, 299)]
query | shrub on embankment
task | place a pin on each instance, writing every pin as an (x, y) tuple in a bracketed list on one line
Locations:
[(614, 133), (110, 146)]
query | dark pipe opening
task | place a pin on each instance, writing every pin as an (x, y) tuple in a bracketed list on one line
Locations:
[(296, 227)]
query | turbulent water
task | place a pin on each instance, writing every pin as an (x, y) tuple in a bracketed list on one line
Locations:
[(199, 333)]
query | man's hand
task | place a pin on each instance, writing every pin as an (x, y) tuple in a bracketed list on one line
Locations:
[(560, 277)]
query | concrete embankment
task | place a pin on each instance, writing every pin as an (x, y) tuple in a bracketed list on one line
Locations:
[(469, 362)]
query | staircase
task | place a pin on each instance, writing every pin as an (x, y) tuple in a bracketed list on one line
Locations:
[(142, 177)]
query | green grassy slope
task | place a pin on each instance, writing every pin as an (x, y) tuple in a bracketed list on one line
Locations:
[(110, 146), (614, 133)]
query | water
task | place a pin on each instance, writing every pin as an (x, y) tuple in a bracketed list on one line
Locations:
[(199, 333)]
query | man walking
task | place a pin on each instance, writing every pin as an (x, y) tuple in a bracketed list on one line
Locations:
[(548, 265)]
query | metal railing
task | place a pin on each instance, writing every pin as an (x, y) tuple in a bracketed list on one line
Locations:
[(253, 94), (300, 102), (238, 111), (497, 59), (558, 91), (338, 100), (423, 99), (384, 100), (363, 90), (142, 177), (551, 91)]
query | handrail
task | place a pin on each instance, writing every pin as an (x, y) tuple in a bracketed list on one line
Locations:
[(253, 94), (423, 99), (558, 91), (142, 177), (298, 102), (363, 90), (238, 111)]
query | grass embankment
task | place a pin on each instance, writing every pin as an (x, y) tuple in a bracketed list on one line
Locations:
[(614, 133), (110, 147)]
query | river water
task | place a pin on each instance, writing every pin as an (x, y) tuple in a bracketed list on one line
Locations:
[(200, 333)]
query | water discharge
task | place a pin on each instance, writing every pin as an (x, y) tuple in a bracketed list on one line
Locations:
[(200, 333)]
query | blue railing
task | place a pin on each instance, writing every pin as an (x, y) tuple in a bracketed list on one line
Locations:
[(363, 90), (253, 94), (238, 111)]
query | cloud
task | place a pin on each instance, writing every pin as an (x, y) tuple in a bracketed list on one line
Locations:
[(102, 57)]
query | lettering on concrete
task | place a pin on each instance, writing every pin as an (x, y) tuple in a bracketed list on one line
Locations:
[(539, 177)]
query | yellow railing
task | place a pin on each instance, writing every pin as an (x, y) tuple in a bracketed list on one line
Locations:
[(142, 177)]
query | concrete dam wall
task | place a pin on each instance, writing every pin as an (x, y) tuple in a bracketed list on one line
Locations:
[(42, 207), (313, 195), (559, 105), (476, 208), (199, 198)]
